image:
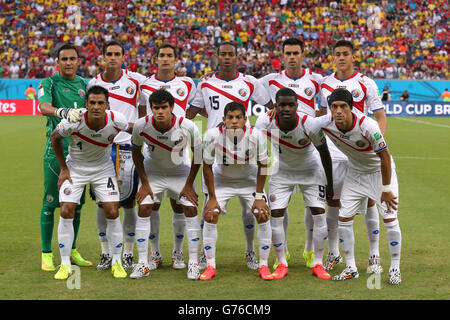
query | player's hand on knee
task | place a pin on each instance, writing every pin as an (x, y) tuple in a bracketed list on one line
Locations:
[(143, 192), (64, 175), (390, 199), (189, 193), (212, 210), (261, 211), (329, 192)]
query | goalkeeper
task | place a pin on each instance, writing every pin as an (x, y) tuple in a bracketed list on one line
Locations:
[(60, 96)]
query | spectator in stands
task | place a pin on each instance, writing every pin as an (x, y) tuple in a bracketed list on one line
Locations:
[(445, 96), (30, 93), (386, 94)]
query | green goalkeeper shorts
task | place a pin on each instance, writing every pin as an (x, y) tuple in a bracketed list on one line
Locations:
[(51, 175)]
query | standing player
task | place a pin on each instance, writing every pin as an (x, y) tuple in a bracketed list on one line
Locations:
[(305, 84), (183, 90), (89, 162), (166, 168), (293, 135), (365, 96), (234, 164), (369, 175), (59, 97), (123, 87), (213, 94)]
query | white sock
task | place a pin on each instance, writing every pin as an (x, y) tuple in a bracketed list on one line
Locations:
[(142, 235), (394, 236), (179, 225), (332, 225), (65, 239), (347, 238), (154, 230), (285, 228), (193, 237), (129, 229), (249, 223), (309, 228), (209, 242), (114, 232), (264, 236), (101, 227), (278, 238), (319, 237), (373, 229)]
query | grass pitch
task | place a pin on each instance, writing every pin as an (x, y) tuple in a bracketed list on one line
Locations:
[(420, 147)]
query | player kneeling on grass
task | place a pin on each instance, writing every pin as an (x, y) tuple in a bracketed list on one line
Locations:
[(294, 135), (89, 162), (371, 174), (166, 168), (234, 164)]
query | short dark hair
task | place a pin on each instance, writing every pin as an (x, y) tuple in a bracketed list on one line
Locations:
[(344, 43), (113, 43), (233, 106), (285, 92), (97, 90), (167, 45), (67, 46), (227, 43), (293, 42), (160, 96), (341, 94)]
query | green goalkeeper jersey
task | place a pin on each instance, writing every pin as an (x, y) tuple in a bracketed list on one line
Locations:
[(61, 93)]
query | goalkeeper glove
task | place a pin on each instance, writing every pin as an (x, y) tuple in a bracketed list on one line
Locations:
[(70, 114)]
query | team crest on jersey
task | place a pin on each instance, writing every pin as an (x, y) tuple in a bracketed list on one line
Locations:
[(49, 198), (309, 91), (242, 92), (303, 141), (67, 191), (356, 93), (111, 138), (272, 198), (361, 143), (130, 90), (180, 92), (81, 93)]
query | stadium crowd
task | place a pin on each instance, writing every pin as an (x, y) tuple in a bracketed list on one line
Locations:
[(396, 39)]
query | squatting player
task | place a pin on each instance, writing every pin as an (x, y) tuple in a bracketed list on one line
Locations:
[(89, 162), (369, 175), (123, 87), (234, 164), (60, 96), (166, 168)]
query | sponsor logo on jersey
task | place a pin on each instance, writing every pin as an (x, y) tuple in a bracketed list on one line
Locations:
[(67, 191), (242, 92), (162, 137), (293, 85), (65, 90), (114, 88), (345, 137), (130, 90), (165, 87), (180, 92), (227, 86), (81, 93), (286, 137), (309, 91), (96, 135), (356, 93), (341, 87)]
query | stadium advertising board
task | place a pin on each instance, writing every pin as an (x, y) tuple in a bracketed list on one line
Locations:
[(19, 107)]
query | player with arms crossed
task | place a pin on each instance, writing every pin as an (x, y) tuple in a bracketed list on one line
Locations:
[(235, 164), (305, 84), (123, 87), (166, 168), (60, 96), (213, 94), (89, 162), (365, 97), (293, 135), (369, 175), (183, 91)]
